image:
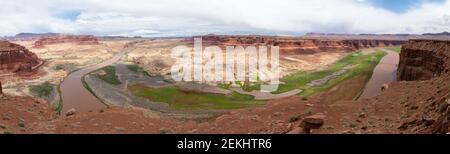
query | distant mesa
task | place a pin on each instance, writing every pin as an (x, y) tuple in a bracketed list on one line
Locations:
[(27, 36), (34, 35), (438, 34), (17, 60), (56, 39), (430, 36)]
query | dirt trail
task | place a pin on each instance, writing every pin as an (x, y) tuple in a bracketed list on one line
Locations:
[(75, 95)]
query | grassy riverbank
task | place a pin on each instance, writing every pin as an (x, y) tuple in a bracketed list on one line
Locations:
[(178, 99), (50, 93), (395, 48), (361, 64)]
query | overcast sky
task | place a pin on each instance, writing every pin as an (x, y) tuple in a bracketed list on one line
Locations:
[(196, 17)]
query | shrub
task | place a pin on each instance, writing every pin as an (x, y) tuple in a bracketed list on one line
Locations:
[(294, 118), (43, 91), (164, 131), (110, 75), (69, 67)]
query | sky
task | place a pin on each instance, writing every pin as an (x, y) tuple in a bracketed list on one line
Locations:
[(156, 18)]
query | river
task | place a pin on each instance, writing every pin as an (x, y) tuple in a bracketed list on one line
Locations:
[(76, 96), (384, 72)]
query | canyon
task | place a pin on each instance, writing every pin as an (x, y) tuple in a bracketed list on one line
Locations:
[(419, 102)]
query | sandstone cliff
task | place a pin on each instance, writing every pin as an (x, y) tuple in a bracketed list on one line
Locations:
[(428, 104), (294, 45), (423, 59), (16, 59), (79, 39)]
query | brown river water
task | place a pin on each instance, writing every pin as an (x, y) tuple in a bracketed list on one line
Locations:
[(75, 95), (384, 72)]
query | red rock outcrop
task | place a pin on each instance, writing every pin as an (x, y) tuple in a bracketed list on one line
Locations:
[(429, 62), (423, 59), (79, 39), (298, 45), (16, 59)]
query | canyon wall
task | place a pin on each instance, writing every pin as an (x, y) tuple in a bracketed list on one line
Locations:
[(423, 59), (425, 64), (16, 59), (79, 39), (298, 45)]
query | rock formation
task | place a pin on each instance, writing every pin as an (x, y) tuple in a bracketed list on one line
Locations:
[(429, 62), (79, 39), (297, 45), (423, 59), (312, 122), (16, 59), (71, 112)]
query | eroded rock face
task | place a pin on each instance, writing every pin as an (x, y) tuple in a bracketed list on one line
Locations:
[(293, 45), (16, 59), (423, 59), (79, 39), (428, 61)]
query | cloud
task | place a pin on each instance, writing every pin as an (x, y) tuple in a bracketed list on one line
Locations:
[(194, 17)]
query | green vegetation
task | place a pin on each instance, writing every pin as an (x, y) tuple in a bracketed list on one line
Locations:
[(137, 69), (134, 68), (249, 88), (224, 85), (395, 48), (69, 67), (361, 64), (246, 87), (43, 90), (180, 100), (88, 88), (57, 106), (109, 75)]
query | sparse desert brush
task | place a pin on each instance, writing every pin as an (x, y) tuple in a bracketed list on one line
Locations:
[(43, 90)]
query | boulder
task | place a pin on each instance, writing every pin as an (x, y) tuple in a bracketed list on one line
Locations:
[(71, 111), (296, 130), (384, 87), (312, 122)]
